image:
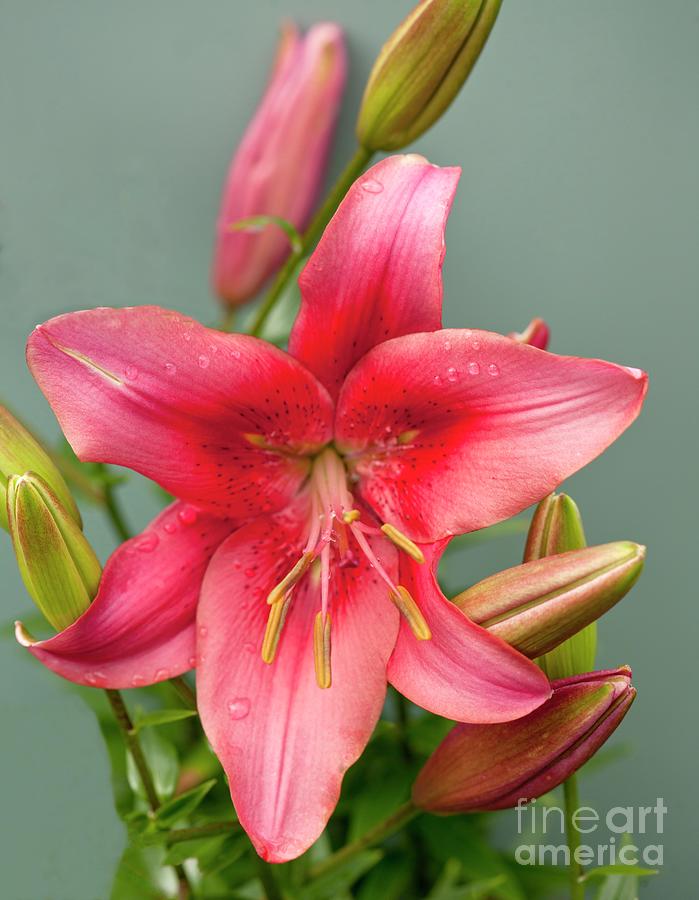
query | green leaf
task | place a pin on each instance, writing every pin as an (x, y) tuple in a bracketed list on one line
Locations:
[(259, 223), (378, 800), (335, 883), (141, 875), (617, 887), (427, 731), (389, 880), (448, 888), (162, 717), (183, 805), (619, 869)]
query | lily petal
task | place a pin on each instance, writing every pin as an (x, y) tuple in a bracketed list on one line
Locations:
[(214, 418), (456, 430), (284, 742), (463, 672), (140, 627), (376, 272)]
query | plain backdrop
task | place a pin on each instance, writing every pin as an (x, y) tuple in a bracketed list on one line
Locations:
[(578, 135)]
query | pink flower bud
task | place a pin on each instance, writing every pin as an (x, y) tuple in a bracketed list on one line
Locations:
[(483, 767), (280, 162), (536, 334)]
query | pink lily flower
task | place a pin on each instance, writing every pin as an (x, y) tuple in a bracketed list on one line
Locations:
[(315, 491), (281, 160)]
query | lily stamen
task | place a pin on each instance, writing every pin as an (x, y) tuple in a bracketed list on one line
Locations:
[(403, 543), (275, 623), (403, 600), (321, 649), (290, 579)]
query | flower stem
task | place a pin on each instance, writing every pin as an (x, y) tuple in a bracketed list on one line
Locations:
[(184, 691), (350, 173), (572, 803), (211, 829), (113, 507), (131, 739), (379, 832), (269, 882)]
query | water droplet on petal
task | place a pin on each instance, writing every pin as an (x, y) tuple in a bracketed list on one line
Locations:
[(493, 369), (476, 345), (372, 186), (473, 368), (170, 527), (138, 680), (187, 336), (239, 708), (170, 368), (437, 379), (447, 345), (203, 361), (131, 373), (161, 674), (146, 542), (187, 515), (203, 631), (192, 662), (249, 648), (452, 374)]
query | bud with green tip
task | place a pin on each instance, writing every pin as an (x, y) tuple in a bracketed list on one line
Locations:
[(57, 564), (484, 767), (20, 453), (421, 68), (556, 527), (538, 605)]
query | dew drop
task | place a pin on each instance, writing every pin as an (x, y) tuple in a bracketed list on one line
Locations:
[(239, 708), (203, 631), (235, 354), (437, 379), (476, 345), (187, 515), (138, 680), (170, 527), (249, 648), (473, 368), (372, 186), (147, 542), (131, 373), (493, 369), (447, 345), (452, 374), (203, 361), (170, 368), (187, 336), (161, 674), (192, 662)]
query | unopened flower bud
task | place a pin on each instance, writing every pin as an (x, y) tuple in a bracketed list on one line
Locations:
[(556, 527), (20, 452), (57, 564), (485, 767), (421, 68), (536, 334), (538, 605)]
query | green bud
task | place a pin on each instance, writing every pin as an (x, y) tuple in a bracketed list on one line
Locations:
[(556, 527), (421, 68), (538, 605), (57, 564), (20, 453)]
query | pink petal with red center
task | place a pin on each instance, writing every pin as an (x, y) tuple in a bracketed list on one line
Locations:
[(462, 672), (376, 272), (284, 742), (157, 392), (140, 627), (455, 430)]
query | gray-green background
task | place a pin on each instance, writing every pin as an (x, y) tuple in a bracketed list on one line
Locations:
[(579, 137)]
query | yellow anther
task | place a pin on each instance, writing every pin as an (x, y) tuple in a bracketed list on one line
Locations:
[(406, 437), (257, 440), (403, 543), (321, 649), (289, 580), (409, 608), (350, 515), (275, 623)]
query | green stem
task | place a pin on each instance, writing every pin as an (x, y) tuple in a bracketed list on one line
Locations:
[(113, 508), (351, 172), (572, 804), (131, 739), (184, 691), (228, 319), (379, 832), (269, 882)]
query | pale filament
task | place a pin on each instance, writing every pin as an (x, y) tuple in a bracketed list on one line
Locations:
[(332, 515)]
